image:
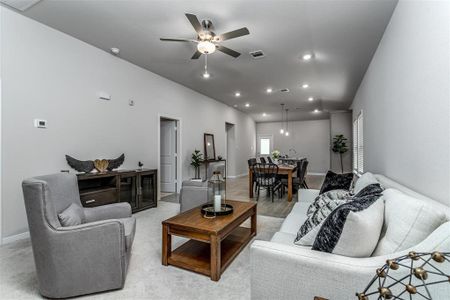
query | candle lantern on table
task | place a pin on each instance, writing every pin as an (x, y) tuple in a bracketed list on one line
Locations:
[(217, 197)]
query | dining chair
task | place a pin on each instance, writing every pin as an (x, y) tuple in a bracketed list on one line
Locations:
[(269, 159), (267, 177), (262, 160)]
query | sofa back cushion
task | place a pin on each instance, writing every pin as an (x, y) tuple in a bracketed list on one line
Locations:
[(407, 222)]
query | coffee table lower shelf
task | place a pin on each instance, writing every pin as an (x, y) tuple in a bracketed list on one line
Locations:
[(196, 256)]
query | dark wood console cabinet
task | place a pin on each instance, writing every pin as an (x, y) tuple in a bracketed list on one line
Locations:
[(137, 187)]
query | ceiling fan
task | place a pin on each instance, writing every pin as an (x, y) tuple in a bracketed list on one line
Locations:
[(207, 41)]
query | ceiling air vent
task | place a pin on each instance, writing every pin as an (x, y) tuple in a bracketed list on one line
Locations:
[(257, 54), (284, 90)]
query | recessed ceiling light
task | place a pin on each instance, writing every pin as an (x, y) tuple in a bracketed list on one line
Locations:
[(269, 90), (264, 115), (316, 110), (115, 51), (307, 56), (247, 104), (305, 86), (206, 75), (310, 99), (237, 94)]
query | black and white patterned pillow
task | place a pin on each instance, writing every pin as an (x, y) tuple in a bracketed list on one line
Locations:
[(335, 181), (317, 212), (324, 198), (353, 229)]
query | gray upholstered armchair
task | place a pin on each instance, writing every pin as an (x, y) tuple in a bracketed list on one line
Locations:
[(81, 259)]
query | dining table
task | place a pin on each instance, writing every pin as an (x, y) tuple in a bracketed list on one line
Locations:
[(283, 169)]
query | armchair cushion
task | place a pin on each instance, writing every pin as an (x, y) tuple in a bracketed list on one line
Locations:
[(72, 215), (105, 212)]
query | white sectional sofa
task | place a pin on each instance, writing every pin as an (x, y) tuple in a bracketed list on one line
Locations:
[(282, 270)]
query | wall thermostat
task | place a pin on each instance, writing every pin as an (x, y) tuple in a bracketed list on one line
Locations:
[(38, 123)]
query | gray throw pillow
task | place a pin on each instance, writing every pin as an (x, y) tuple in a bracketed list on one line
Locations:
[(72, 215)]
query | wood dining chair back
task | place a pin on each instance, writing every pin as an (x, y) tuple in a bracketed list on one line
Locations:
[(266, 177), (269, 159), (262, 160)]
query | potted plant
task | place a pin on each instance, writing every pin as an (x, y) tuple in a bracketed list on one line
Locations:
[(196, 160), (276, 154), (340, 147)]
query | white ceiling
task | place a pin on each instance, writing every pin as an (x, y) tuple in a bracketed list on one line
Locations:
[(342, 35)]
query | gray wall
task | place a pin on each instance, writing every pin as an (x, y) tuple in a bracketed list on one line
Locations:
[(47, 74), (310, 139), (341, 123), (405, 98)]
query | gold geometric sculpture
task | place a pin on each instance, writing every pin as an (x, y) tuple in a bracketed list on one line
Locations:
[(411, 276)]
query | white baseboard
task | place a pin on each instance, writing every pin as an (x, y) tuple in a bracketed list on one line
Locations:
[(16, 237), (237, 176), (318, 174)]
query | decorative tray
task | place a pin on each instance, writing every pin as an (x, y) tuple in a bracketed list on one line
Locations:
[(208, 210)]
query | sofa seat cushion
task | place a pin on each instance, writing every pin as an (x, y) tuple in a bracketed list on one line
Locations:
[(295, 219), (286, 239), (407, 222), (129, 225)]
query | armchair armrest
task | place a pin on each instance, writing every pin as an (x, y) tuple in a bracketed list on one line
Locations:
[(76, 257), (280, 271), (110, 211)]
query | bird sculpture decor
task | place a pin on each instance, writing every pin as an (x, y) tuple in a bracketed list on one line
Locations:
[(101, 165)]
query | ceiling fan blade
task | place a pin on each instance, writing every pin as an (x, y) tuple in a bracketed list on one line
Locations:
[(196, 55), (195, 22), (177, 40), (234, 34), (228, 51)]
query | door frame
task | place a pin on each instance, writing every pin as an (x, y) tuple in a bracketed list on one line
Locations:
[(179, 174)]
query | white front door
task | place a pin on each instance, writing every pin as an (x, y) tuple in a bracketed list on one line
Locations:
[(168, 156), (264, 145)]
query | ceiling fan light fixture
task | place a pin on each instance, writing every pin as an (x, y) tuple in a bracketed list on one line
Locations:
[(206, 47), (310, 99), (206, 75)]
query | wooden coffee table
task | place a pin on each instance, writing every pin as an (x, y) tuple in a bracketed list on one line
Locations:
[(213, 244)]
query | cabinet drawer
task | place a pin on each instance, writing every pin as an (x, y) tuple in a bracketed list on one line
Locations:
[(100, 198)]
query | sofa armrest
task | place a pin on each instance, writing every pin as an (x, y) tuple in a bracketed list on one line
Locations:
[(110, 211), (81, 258), (307, 195), (280, 271)]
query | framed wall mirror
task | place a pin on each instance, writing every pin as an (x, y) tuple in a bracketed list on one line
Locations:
[(210, 149)]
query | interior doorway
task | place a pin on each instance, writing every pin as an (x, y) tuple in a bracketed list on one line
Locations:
[(168, 156), (231, 149)]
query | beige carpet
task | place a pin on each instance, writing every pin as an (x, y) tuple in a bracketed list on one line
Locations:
[(147, 278)]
